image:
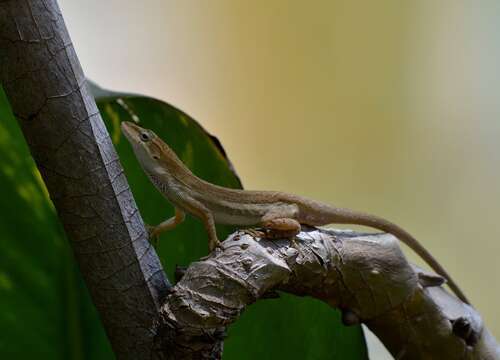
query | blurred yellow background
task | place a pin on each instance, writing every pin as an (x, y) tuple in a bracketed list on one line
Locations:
[(387, 106)]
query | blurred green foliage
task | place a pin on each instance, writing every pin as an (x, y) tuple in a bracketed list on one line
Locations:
[(45, 309)]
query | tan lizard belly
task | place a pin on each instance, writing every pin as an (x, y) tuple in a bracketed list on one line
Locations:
[(236, 219), (243, 213), (230, 213), (237, 214)]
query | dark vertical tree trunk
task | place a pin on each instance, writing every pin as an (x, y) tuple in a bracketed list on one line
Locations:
[(46, 87)]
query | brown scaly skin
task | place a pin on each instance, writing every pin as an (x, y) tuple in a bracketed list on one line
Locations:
[(276, 211)]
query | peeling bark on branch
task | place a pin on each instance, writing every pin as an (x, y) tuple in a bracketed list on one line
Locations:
[(366, 276), (46, 87)]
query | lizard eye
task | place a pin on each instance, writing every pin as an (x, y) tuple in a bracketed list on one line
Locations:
[(144, 137)]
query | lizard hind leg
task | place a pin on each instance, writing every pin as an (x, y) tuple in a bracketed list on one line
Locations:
[(281, 221), (170, 223), (281, 228)]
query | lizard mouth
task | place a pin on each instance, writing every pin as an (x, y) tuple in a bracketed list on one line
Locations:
[(130, 130)]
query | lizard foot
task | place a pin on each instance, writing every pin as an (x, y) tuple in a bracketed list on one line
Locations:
[(215, 244), (291, 235), (279, 234), (254, 233), (293, 242)]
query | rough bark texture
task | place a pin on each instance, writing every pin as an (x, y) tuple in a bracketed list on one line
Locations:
[(46, 87), (366, 276)]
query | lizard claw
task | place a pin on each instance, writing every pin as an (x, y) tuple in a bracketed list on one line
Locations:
[(294, 243), (214, 244), (254, 233)]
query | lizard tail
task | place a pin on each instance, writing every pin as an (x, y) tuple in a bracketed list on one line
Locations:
[(345, 216)]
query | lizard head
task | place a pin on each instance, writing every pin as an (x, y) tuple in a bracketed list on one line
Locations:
[(146, 144), (154, 155)]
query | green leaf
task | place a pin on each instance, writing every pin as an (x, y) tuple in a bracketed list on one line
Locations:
[(293, 328), (46, 311), (285, 328)]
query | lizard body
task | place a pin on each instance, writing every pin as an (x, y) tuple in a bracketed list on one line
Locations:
[(279, 212)]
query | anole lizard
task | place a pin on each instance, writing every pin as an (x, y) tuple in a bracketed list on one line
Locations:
[(278, 212)]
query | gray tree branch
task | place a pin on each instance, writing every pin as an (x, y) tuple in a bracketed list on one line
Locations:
[(367, 277), (44, 82)]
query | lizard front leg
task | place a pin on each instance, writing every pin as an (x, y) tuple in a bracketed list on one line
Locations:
[(199, 210), (170, 223)]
